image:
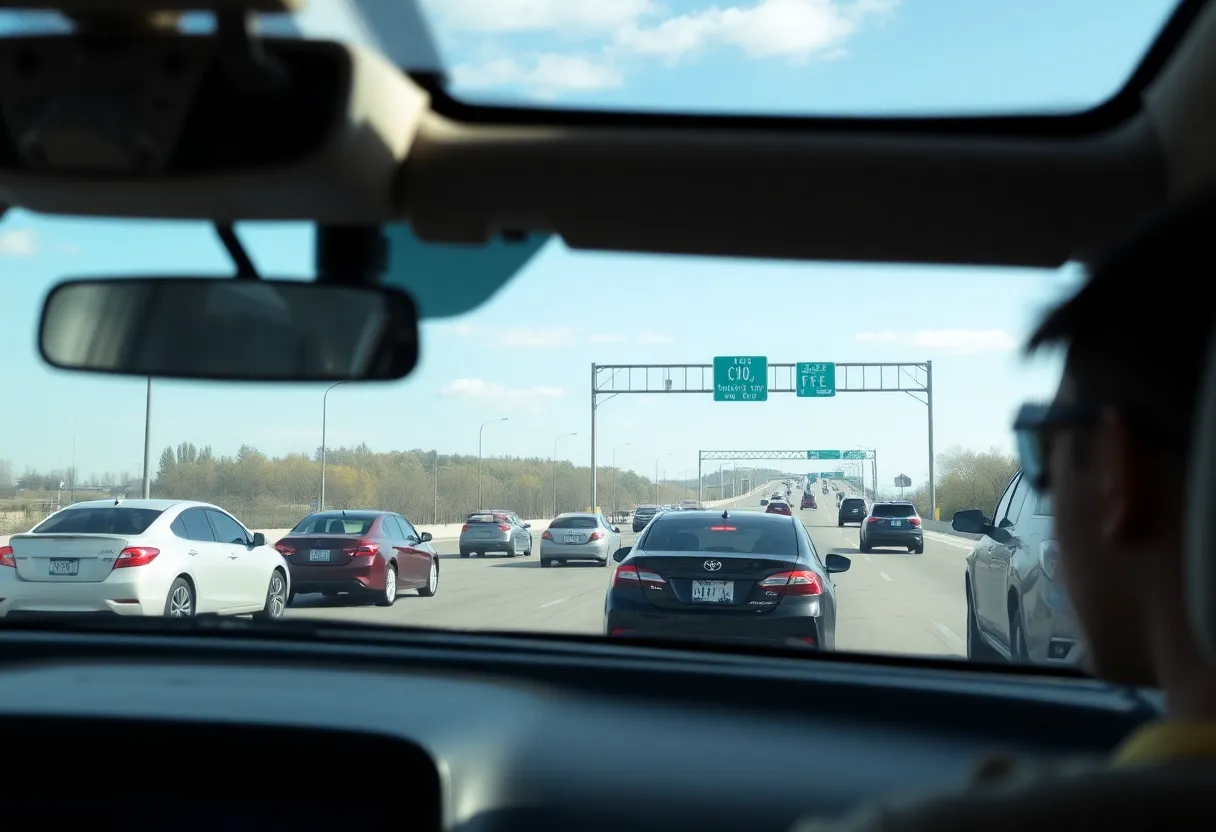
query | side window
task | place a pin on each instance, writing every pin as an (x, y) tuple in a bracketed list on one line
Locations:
[(178, 527), (1042, 505), (809, 544), (1018, 502), (227, 530), (194, 521), (410, 532), (1002, 508)]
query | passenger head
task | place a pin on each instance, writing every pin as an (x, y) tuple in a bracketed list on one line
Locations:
[(1115, 440)]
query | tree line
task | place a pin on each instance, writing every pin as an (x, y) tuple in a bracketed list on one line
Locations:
[(429, 487)]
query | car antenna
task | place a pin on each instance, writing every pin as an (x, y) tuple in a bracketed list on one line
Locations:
[(725, 515), (117, 500)]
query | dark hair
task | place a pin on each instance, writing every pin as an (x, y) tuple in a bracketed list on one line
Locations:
[(1136, 333)]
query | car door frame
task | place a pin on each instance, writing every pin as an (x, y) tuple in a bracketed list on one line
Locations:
[(418, 559), (208, 561), (987, 588), (1001, 556), (243, 574)]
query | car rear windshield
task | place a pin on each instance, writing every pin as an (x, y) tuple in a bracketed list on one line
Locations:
[(852, 501), (646, 509), (331, 523), (486, 518), (894, 510), (574, 523), (102, 520), (742, 534)]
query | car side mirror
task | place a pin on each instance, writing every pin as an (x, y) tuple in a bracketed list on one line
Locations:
[(615, 529), (970, 521), (527, 525), (621, 553), (427, 537), (837, 563), (259, 539)]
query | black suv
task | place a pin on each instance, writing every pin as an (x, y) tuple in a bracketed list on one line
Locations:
[(642, 515), (852, 510)]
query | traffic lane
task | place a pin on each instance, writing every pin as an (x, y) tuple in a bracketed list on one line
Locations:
[(891, 601), (487, 593)]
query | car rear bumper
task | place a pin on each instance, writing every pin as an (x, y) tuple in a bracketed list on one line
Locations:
[(118, 594), (795, 622), (364, 574), (575, 551), (498, 543), (894, 538), (850, 518)]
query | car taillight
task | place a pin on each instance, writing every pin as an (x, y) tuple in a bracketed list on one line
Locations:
[(503, 527), (872, 520), (135, 556), (546, 535), (596, 535), (6, 557), (465, 527), (285, 550), (361, 549), (915, 521), (629, 575), (800, 582)]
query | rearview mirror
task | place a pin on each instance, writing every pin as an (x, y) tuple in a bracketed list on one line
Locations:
[(225, 329), (837, 563), (426, 537), (259, 539), (621, 553)]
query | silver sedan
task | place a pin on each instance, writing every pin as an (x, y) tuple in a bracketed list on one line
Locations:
[(579, 536)]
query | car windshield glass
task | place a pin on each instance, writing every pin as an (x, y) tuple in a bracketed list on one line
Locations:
[(486, 518), (102, 520), (574, 523), (335, 524), (893, 510), (739, 534)]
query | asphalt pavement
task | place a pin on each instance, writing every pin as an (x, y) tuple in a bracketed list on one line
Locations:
[(889, 601)]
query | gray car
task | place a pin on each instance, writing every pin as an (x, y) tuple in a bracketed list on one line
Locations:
[(491, 531), (579, 536), (893, 523)]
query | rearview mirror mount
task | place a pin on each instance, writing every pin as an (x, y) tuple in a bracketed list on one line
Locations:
[(225, 329)]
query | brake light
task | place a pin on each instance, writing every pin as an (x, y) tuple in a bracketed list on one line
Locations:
[(285, 550), (6, 557), (800, 582), (503, 527), (135, 556), (596, 535), (362, 549), (723, 528), (915, 521), (465, 527), (629, 575), (546, 535), (872, 520)]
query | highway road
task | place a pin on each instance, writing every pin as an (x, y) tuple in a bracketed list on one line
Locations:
[(889, 601)]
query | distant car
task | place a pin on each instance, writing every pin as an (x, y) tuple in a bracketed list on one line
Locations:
[(764, 502), (643, 515), (776, 495), (369, 554), (689, 505), (489, 531), (808, 501), (893, 524), (739, 577), (779, 507), (852, 510), (579, 536), (173, 558)]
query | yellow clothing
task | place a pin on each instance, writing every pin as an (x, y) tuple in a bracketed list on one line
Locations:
[(1168, 741)]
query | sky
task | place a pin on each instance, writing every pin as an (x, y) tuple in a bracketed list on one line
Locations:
[(526, 354)]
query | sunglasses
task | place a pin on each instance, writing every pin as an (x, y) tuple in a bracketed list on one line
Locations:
[(1035, 429)]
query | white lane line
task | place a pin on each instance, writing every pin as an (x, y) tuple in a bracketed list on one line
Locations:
[(953, 640), (885, 576), (553, 603), (950, 540), (868, 558)]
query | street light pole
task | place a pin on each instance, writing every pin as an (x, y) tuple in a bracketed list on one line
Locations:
[(555, 441), (614, 450), (324, 420), (656, 474), (148, 442), (480, 433)]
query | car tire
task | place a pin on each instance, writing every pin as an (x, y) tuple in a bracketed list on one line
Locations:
[(1018, 654), (431, 586), (545, 564), (978, 650), (919, 548), (276, 598), (464, 553), (604, 562), (388, 596), (514, 550), (181, 601)]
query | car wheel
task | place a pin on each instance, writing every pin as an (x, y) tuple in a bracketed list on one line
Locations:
[(276, 598), (545, 564), (464, 553), (1017, 639), (514, 549), (180, 601), (432, 581), (389, 596), (978, 650), (919, 548)]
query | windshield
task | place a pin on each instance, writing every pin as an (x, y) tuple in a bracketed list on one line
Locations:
[(105, 520), (331, 523), (575, 523), (893, 510), (740, 534)]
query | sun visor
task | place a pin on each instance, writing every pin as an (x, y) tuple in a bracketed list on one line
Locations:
[(450, 280)]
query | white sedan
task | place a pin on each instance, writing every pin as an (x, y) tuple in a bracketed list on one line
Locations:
[(142, 557)]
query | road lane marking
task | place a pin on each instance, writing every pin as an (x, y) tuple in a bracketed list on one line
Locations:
[(950, 540), (553, 603), (885, 576), (953, 640), (868, 558)]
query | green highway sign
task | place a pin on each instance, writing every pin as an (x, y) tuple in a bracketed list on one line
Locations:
[(823, 454), (853, 455), (834, 475), (740, 378), (816, 380)]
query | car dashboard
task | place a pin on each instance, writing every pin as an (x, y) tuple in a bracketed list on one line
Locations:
[(428, 731)]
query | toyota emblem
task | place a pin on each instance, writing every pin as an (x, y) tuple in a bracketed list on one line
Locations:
[(712, 565)]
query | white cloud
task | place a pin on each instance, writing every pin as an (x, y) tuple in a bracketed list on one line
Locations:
[(476, 388), (20, 242), (537, 339), (587, 16), (545, 74), (958, 341)]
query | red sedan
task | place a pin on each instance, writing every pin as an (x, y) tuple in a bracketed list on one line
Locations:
[(779, 507), (808, 501)]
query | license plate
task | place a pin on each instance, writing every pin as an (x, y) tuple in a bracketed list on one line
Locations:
[(572, 538), (713, 592), (895, 523), (65, 567), (318, 554)]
